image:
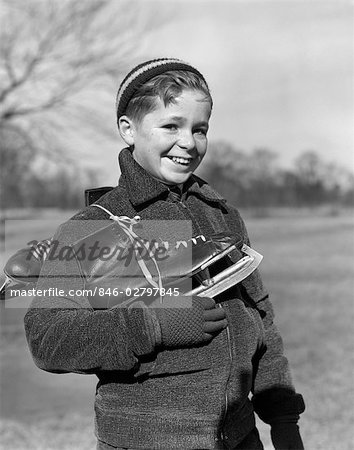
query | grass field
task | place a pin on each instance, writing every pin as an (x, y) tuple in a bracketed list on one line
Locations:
[(309, 269)]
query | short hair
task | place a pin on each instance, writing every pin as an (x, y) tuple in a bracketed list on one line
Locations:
[(166, 86)]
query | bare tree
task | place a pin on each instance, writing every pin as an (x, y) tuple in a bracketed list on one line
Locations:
[(58, 61)]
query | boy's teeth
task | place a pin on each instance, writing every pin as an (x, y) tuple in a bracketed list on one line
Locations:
[(180, 160)]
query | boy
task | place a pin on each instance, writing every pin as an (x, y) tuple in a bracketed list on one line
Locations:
[(178, 373)]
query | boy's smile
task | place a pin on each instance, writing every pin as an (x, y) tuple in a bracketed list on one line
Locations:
[(170, 141)]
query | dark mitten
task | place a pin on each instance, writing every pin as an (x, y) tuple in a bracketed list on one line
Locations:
[(286, 436), (188, 321)]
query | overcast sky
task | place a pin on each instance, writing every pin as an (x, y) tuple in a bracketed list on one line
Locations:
[(280, 72)]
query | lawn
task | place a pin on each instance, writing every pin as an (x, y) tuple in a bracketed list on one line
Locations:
[(308, 268)]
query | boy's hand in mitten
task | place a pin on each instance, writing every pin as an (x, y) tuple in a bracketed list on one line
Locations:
[(188, 321), (286, 436)]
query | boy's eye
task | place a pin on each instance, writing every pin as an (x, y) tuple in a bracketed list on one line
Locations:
[(170, 126), (202, 131)]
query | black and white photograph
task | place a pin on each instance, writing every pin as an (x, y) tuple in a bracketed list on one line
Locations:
[(177, 224)]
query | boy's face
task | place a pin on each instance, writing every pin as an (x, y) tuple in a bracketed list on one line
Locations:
[(170, 142)]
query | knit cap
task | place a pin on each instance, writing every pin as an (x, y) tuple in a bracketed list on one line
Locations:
[(145, 72)]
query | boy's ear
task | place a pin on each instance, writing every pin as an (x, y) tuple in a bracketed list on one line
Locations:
[(126, 129)]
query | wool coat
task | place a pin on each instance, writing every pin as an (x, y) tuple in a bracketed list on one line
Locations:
[(149, 397)]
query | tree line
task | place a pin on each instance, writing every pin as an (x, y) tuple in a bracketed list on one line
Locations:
[(255, 179)]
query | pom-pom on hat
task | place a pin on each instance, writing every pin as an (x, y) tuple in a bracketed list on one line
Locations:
[(143, 73)]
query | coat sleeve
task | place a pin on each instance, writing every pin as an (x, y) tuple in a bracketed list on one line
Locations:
[(65, 334), (274, 396)]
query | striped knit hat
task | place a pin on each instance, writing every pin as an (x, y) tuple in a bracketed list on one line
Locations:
[(143, 73)]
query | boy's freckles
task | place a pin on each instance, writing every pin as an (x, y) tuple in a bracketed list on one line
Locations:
[(170, 141)]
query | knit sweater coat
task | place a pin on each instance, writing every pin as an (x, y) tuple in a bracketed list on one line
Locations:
[(148, 397)]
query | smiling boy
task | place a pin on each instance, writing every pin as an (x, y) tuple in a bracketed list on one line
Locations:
[(189, 375), (170, 141)]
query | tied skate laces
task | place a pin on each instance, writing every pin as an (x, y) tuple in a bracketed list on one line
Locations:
[(41, 250), (126, 223)]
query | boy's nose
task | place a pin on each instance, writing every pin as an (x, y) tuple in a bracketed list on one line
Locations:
[(186, 140)]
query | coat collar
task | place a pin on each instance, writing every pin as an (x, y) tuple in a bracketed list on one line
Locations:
[(141, 187)]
